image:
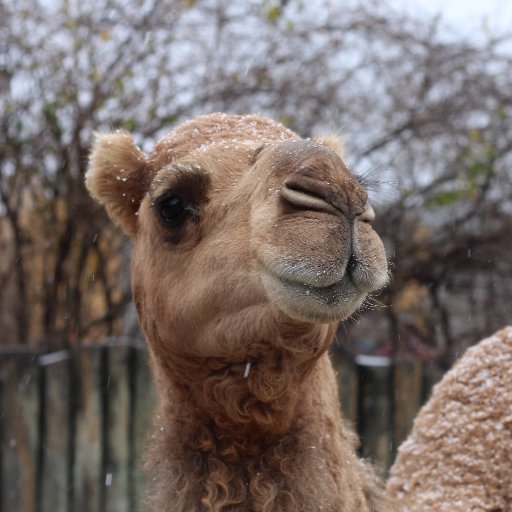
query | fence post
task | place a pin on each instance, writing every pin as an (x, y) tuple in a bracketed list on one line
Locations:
[(118, 420), (19, 425), (55, 475), (87, 453), (406, 393), (145, 400), (375, 408)]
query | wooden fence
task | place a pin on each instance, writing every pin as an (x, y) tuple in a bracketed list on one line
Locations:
[(72, 423)]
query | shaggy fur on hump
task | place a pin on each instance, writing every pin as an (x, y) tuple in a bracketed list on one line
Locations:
[(458, 457), (249, 416)]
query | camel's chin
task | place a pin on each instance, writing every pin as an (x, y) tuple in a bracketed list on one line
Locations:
[(313, 304)]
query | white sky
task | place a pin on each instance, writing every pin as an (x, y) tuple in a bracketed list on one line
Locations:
[(465, 16)]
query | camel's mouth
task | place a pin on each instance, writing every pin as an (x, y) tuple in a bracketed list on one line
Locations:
[(321, 302)]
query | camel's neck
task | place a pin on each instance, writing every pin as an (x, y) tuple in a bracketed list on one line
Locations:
[(256, 428), (257, 395), (246, 436), (250, 383)]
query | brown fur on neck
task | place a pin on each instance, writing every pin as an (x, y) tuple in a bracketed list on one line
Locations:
[(275, 455), (227, 440), (256, 394)]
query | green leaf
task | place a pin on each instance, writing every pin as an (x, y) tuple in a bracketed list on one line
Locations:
[(477, 169), (445, 198), (287, 119), (50, 115), (476, 135), (49, 111), (129, 124), (170, 119), (502, 112), (272, 12), (119, 85)]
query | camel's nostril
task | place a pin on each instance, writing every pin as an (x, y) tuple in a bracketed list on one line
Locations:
[(336, 196), (305, 198)]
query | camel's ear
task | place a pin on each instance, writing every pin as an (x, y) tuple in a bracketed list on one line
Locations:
[(333, 142), (117, 178)]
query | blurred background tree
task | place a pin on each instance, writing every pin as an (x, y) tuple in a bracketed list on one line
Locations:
[(426, 115)]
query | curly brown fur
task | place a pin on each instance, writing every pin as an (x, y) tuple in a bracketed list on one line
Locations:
[(293, 457)]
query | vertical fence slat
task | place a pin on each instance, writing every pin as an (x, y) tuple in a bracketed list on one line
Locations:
[(19, 424), (117, 431), (144, 406), (375, 409), (87, 467), (55, 460), (407, 392)]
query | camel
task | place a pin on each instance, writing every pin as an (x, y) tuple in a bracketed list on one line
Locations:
[(250, 244), (458, 457)]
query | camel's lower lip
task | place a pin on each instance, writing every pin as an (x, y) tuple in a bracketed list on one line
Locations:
[(334, 302), (329, 295)]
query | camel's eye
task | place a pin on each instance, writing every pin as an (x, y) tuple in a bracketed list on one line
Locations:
[(172, 210)]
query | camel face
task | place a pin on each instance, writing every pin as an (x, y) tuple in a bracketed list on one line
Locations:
[(231, 216), (312, 242)]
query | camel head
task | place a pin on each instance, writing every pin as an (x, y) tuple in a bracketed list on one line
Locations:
[(235, 220)]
